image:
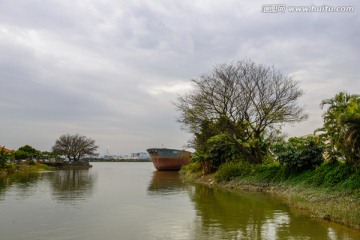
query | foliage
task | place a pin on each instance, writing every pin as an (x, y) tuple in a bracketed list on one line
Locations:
[(299, 154), (19, 155), (341, 129), (231, 170), (192, 167), (207, 129), (272, 172), (221, 150), (74, 146), (27, 152), (10, 167), (201, 160), (336, 176), (250, 101), (4, 156), (216, 151), (31, 162)]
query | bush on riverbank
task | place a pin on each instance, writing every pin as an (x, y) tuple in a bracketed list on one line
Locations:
[(299, 154), (337, 176)]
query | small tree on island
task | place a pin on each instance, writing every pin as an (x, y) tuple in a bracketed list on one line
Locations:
[(74, 146)]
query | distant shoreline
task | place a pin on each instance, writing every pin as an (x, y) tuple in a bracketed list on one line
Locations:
[(120, 160)]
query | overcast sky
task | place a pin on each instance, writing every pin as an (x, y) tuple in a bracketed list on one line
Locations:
[(111, 69)]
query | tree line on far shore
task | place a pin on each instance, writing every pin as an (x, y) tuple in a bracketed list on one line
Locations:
[(72, 147)]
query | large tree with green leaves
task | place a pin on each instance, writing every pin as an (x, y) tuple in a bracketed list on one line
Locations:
[(251, 101), (74, 146)]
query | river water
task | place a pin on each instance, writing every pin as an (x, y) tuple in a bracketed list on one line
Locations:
[(133, 201)]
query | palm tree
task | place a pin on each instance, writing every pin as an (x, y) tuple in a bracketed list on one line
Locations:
[(341, 130), (350, 122), (331, 131)]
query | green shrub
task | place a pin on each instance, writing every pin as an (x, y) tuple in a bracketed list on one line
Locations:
[(271, 172), (317, 176), (4, 156), (352, 182), (192, 167), (231, 170), (217, 150), (332, 175), (10, 167), (220, 150), (337, 174), (299, 154), (201, 160)]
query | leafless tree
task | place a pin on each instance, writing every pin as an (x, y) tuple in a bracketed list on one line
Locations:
[(255, 99), (74, 146)]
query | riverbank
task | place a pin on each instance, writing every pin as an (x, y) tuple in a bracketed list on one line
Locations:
[(70, 165), (35, 166), (326, 203), (24, 167)]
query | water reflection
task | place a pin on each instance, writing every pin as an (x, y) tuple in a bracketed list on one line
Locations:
[(24, 182), (72, 185), (165, 183), (66, 186), (225, 215)]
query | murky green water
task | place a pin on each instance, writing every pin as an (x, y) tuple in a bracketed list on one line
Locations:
[(133, 201)]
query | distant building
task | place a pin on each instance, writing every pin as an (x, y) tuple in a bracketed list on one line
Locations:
[(140, 155), (3, 149), (6, 150)]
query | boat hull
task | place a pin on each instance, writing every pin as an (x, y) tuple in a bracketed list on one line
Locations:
[(165, 159)]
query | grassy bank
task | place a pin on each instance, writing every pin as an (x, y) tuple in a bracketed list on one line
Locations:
[(24, 167), (331, 191)]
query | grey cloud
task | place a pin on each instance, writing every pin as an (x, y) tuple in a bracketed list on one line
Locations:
[(106, 68)]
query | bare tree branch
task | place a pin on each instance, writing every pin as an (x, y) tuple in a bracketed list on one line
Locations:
[(258, 98)]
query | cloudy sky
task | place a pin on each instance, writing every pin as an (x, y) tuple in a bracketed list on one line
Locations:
[(111, 69)]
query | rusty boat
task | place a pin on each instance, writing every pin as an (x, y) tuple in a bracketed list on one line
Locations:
[(165, 159)]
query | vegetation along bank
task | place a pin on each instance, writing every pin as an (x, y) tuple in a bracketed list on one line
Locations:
[(329, 192), (236, 113), (69, 151)]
